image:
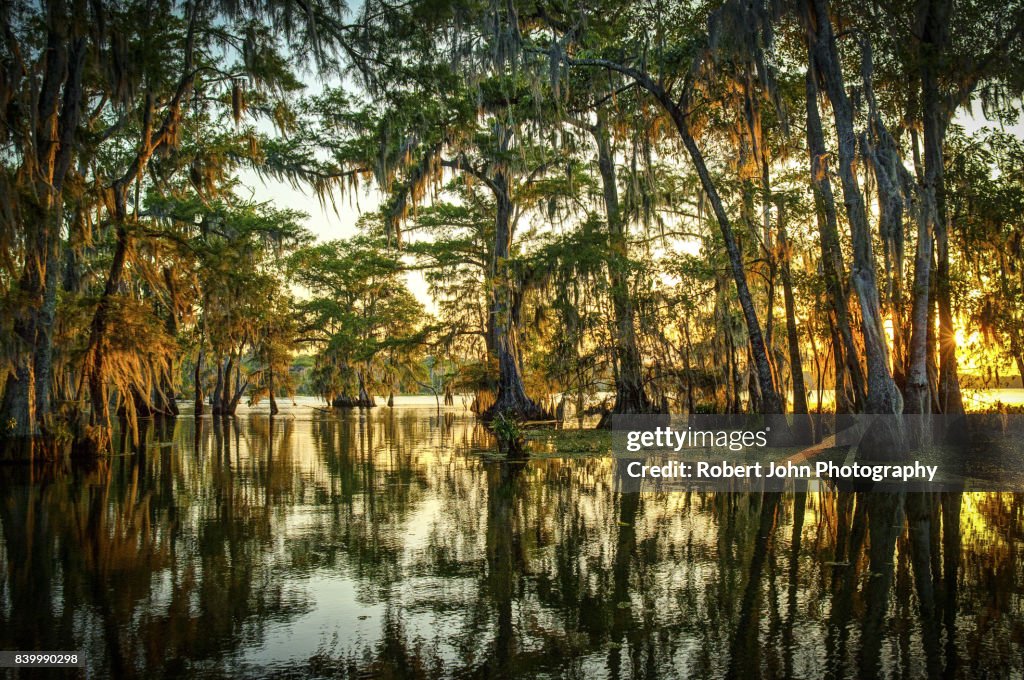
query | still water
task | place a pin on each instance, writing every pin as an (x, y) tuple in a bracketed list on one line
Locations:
[(395, 544)]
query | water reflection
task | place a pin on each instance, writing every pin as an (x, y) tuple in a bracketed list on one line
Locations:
[(393, 544)]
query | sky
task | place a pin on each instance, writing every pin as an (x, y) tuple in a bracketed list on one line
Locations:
[(326, 223)]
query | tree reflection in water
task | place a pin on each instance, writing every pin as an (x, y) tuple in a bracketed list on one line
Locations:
[(394, 544)]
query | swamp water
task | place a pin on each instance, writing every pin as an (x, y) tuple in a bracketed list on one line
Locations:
[(393, 543)]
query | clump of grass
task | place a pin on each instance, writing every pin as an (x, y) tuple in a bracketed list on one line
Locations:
[(509, 432)]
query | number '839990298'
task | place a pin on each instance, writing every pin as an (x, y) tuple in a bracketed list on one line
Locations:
[(24, 659)]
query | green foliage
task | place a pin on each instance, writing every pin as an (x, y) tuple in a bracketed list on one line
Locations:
[(359, 315), (509, 432)]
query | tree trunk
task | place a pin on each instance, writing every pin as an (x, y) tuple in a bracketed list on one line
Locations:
[(239, 389), (217, 402), (164, 400), (796, 367), (845, 353), (19, 403), (935, 34), (364, 400), (270, 388), (918, 388), (755, 400), (881, 151), (44, 328), (821, 364), (843, 402), (19, 414), (883, 156), (222, 391), (630, 396), (734, 378), (932, 341), (883, 396), (771, 402), (690, 406), (99, 417), (511, 395), (227, 395), (26, 401), (197, 376)]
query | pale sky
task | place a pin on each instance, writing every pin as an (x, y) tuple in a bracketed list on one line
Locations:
[(324, 222)]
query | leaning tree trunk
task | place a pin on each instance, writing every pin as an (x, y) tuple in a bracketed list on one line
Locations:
[(630, 396), (771, 402), (883, 395)]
